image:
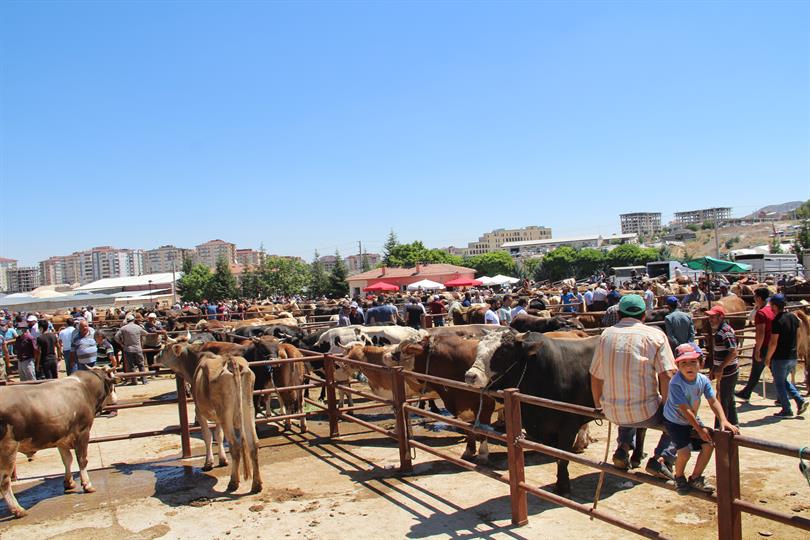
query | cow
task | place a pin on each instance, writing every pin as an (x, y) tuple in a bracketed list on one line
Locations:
[(449, 356), (380, 381), (222, 387), (803, 346), (287, 374), (529, 323), (556, 369), (57, 413)]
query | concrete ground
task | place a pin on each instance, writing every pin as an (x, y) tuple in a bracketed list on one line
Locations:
[(350, 488)]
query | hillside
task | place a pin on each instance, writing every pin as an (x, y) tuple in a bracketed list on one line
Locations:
[(743, 236), (778, 208)]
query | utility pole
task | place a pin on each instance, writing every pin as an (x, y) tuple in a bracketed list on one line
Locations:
[(716, 240), (174, 281)]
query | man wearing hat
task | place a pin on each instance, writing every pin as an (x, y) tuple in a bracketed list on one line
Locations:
[(25, 346), (678, 325), (129, 337), (630, 373), (782, 357), (725, 368), (355, 314), (343, 315)]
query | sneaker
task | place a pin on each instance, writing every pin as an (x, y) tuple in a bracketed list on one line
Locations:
[(802, 408), (784, 414), (682, 486), (620, 459), (658, 469), (700, 484)]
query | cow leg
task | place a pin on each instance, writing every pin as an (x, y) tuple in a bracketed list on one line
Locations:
[(223, 458), (206, 435), (81, 458), (235, 448), (638, 451), (8, 454), (469, 452), (565, 440), (67, 459), (483, 452), (251, 440)]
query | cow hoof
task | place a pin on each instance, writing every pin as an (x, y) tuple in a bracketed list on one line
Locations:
[(69, 485), (467, 456), (256, 488), (233, 486), (207, 466), (563, 491), (482, 459), (88, 488), (19, 512), (223, 462)]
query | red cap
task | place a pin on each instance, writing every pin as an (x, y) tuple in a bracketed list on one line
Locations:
[(717, 310)]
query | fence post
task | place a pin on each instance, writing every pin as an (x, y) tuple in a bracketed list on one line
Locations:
[(517, 473), (331, 401), (398, 386), (727, 468), (182, 409)]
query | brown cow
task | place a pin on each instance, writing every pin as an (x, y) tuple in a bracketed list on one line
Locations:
[(56, 413), (449, 357), (222, 387)]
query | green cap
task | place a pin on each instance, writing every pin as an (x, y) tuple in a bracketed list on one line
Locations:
[(632, 304)]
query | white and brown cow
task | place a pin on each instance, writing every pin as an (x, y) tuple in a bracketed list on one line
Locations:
[(222, 388), (56, 413)]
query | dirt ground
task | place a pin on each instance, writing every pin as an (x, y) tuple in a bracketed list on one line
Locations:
[(317, 488)]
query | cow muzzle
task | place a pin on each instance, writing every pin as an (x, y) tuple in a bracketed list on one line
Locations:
[(475, 377)]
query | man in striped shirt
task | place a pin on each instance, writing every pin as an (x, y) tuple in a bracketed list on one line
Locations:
[(84, 349), (630, 374)]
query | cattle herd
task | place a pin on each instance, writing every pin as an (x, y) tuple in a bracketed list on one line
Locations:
[(539, 353)]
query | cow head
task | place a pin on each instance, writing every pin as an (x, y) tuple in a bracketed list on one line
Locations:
[(404, 354), (109, 385), (498, 354)]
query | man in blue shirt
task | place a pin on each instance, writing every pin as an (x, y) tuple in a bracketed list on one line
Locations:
[(567, 298), (678, 325)]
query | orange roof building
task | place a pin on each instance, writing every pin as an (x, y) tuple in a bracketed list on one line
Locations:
[(402, 277)]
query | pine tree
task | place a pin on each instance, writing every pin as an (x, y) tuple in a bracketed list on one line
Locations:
[(338, 286), (319, 280), (365, 264), (389, 246), (222, 285), (187, 265)]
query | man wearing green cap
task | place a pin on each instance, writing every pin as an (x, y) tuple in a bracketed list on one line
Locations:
[(630, 374)]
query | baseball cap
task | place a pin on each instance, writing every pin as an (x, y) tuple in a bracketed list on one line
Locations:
[(686, 352), (778, 299), (632, 304), (31, 318), (717, 310), (353, 305), (672, 300), (151, 316), (130, 317)]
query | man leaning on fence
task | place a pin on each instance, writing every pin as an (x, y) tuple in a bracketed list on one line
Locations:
[(630, 375), (129, 337)]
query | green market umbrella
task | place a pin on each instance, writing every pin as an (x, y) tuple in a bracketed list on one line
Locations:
[(718, 266)]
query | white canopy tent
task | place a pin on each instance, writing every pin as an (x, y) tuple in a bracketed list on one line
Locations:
[(486, 281), (425, 285), (500, 279)]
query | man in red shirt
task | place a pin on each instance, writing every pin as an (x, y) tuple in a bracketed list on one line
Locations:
[(762, 319)]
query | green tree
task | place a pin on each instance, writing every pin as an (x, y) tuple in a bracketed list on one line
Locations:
[(251, 284), (492, 263), (588, 261), (318, 278), (527, 268), (365, 264), (188, 264), (407, 255), (193, 286), (803, 211), (285, 276), (775, 246), (338, 286), (802, 242), (222, 285), (557, 264), (630, 255), (693, 227), (708, 224), (390, 244)]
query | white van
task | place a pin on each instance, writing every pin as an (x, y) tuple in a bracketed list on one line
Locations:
[(667, 268)]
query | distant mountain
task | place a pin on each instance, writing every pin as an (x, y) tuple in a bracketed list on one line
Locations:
[(778, 208)]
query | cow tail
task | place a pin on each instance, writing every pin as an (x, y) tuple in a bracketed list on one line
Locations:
[(240, 416), (3, 428)]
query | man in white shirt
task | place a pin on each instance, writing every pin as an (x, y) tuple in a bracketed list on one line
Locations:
[(66, 339), (649, 298), (599, 302), (490, 317)]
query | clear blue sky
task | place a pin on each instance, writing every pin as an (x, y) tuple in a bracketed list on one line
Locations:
[(313, 125)]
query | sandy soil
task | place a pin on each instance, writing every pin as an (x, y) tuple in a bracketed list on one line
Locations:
[(350, 488)]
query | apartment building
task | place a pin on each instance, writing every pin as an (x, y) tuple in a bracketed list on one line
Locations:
[(699, 216), (22, 278), (640, 222), (164, 259), (494, 240), (213, 250)]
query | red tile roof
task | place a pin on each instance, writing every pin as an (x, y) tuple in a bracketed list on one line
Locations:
[(4, 260), (424, 270)]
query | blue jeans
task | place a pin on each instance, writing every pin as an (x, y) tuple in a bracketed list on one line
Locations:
[(665, 447), (784, 388)]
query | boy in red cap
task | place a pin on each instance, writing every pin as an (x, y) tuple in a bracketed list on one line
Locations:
[(680, 419)]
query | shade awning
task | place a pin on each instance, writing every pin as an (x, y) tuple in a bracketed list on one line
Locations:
[(710, 264), (381, 286), (462, 282), (426, 285), (501, 279)]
